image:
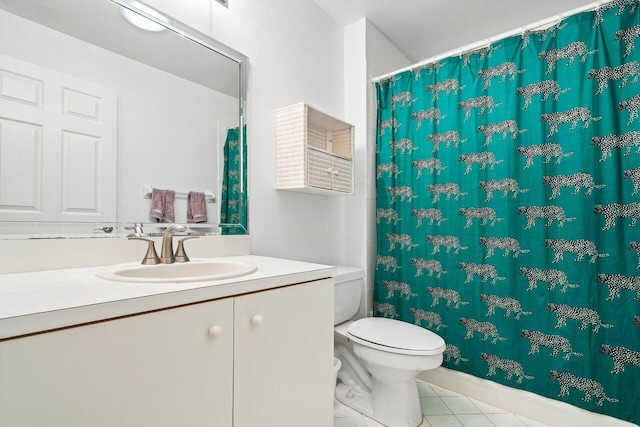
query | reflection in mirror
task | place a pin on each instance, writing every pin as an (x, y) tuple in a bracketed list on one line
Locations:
[(97, 115)]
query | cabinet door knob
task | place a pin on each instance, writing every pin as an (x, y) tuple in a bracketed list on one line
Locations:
[(215, 331), (256, 320), (336, 172)]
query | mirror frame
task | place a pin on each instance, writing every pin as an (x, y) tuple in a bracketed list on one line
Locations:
[(104, 230)]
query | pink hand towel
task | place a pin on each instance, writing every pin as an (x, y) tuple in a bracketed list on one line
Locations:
[(157, 204), (196, 208), (168, 214)]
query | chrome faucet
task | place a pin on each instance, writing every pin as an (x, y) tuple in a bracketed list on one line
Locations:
[(166, 256)]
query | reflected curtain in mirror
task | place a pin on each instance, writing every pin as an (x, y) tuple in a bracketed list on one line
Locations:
[(233, 204)]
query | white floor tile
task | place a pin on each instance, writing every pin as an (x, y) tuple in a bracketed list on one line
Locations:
[(443, 391), (343, 411), (506, 420), (425, 390), (443, 421), (488, 409), (372, 423), (433, 406), (474, 421), (460, 405)]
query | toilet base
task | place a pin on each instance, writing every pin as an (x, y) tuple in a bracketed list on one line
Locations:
[(402, 411)]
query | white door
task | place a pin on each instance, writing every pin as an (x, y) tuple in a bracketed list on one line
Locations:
[(58, 136), (284, 357)]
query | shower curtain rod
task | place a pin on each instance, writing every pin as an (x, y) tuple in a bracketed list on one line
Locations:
[(488, 41)]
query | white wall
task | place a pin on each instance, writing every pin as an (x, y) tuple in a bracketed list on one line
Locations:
[(158, 116)]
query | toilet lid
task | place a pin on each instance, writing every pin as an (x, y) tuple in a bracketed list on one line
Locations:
[(395, 334)]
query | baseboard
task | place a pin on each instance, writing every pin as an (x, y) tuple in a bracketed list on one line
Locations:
[(530, 405)]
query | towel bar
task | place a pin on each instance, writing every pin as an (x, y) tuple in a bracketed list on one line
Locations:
[(209, 196)]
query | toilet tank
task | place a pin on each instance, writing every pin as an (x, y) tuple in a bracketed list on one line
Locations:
[(349, 283)]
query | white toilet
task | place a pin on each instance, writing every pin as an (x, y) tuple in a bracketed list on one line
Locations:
[(380, 357)]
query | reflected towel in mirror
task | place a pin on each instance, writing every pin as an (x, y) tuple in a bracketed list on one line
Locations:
[(196, 208), (162, 205)]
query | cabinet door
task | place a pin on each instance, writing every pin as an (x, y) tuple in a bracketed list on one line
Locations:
[(342, 174), (319, 170), (284, 357), (156, 369)]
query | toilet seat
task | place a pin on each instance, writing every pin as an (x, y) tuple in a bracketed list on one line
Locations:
[(394, 336)]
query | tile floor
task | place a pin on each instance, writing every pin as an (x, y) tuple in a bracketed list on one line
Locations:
[(442, 408)]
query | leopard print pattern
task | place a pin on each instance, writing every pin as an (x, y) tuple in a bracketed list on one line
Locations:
[(570, 116), (590, 387), (581, 247), (628, 36), (453, 352), (451, 242), (484, 214), (553, 277), (634, 176), (585, 315), (432, 319), (404, 192), (432, 114), (544, 88), (635, 247), (432, 265), (403, 289), (504, 127), (448, 295), (620, 356), (449, 189), (621, 4), (391, 215), (482, 102), (480, 53), (510, 305), (503, 70), (486, 329), (509, 244), (505, 185), (632, 104), (447, 86), (433, 215), (542, 33), (434, 165), (636, 320), (484, 158), (450, 136), (511, 367), (389, 124), (487, 271), (609, 142), (621, 72), (389, 263), (404, 240), (432, 67), (615, 282), (557, 343), (570, 51), (403, 146), (549, 213), (402, 98), (385, 309), (575, 180), (389, 168), (613, 211), (547, 150)]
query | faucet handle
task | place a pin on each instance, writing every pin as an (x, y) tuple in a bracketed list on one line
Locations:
[(181, 255), (151, 257)]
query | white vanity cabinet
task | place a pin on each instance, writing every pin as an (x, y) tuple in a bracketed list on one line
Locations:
[(261, 359), (314, 151)]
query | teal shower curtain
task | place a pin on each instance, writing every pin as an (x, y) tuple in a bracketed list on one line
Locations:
[(233, 204), (507, 208)]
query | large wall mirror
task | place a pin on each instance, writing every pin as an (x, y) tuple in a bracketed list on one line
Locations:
[(98, 116)]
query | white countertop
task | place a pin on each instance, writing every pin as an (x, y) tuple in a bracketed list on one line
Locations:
[(39, 301)]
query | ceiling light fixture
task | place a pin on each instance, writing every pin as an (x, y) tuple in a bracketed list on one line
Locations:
[(143, 22)]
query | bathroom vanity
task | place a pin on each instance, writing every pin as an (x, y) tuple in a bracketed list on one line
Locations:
[(257, 350)]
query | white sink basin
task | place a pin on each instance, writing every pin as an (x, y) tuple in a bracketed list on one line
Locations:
[(193, 271)]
